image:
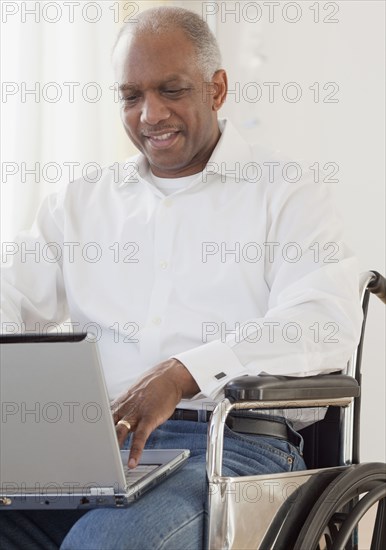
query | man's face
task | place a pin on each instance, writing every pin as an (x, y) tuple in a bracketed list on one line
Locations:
[(168, 111)]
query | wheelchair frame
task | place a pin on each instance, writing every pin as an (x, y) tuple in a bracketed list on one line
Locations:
[(294, 511)]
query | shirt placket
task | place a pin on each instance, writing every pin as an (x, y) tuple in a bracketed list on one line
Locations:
[(164, 230)]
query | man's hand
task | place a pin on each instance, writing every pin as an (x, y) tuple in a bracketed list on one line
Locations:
[(150, 402)]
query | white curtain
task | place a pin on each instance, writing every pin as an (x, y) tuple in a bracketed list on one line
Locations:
[(70, 124)]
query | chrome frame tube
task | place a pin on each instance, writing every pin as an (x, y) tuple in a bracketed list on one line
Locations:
[(347, 424), (217, 422), (347, 440), (366, 278), (216, 439)]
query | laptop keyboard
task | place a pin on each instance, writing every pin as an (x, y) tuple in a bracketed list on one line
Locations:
[(133, 476)]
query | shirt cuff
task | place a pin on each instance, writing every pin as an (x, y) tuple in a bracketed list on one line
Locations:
[(212, 366)]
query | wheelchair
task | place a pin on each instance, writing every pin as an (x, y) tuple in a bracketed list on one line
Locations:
[(315, 509)]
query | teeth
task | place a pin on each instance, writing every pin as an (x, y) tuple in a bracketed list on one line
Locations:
[(162, 137)]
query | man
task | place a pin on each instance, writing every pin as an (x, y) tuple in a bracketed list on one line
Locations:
[(183, 297)]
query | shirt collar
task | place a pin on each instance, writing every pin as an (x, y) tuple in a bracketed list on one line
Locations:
[(231, 154), (229, 158)]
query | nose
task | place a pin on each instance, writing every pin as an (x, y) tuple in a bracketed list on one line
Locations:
[(154, 109)]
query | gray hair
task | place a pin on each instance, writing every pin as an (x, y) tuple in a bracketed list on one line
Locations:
[(167, 18)]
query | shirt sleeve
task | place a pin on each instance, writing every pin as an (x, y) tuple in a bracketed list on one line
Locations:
[(313, 321), (33, 296)]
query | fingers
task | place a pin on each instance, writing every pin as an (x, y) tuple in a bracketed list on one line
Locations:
[(140, 436), (147, 404), (124, 422), (138, 442), (118, 411), (123, 428), (116, 416)]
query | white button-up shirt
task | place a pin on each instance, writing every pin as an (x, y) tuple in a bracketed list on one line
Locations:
[(242, 271)]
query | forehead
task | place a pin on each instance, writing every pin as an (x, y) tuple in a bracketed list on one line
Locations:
[(156, 57)]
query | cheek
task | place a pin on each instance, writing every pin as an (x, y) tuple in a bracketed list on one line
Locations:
[(129, 122)]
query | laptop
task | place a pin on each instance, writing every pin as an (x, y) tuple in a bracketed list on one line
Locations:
[(58, 445)]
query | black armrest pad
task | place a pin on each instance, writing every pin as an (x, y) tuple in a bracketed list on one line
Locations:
[(283, 388)]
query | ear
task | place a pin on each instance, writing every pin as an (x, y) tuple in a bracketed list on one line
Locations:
[(220, 89)]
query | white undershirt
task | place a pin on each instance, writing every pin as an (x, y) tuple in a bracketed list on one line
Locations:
[(170, 185)]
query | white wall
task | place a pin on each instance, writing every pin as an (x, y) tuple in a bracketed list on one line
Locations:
[(350, 132), (60, 55)]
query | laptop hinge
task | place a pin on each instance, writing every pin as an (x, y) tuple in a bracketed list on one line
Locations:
[(99, 491)]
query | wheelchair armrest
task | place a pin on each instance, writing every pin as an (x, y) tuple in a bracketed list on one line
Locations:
[(377, 286), (286, 388)]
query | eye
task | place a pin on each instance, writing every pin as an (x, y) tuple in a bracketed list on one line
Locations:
[(174, 93), (131, 98)]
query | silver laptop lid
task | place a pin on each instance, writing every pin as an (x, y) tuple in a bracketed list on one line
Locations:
[(54, 391)]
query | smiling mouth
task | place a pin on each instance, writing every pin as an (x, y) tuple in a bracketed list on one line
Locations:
[(162, 141), (162, 137)]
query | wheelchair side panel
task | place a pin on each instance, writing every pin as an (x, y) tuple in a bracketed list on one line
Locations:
[(243, 508)]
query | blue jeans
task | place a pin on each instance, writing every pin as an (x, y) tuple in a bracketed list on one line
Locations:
[(171, 515)]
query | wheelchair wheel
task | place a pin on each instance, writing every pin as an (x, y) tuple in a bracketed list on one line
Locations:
[(333, 519), (290, 518)]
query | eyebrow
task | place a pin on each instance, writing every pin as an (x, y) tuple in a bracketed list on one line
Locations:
[(131, 86)]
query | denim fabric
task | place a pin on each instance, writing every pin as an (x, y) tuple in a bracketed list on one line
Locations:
[(170, 516)]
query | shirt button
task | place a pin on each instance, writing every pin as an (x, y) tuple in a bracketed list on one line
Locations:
[(168, 202), (163, 264), (157, 321)]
